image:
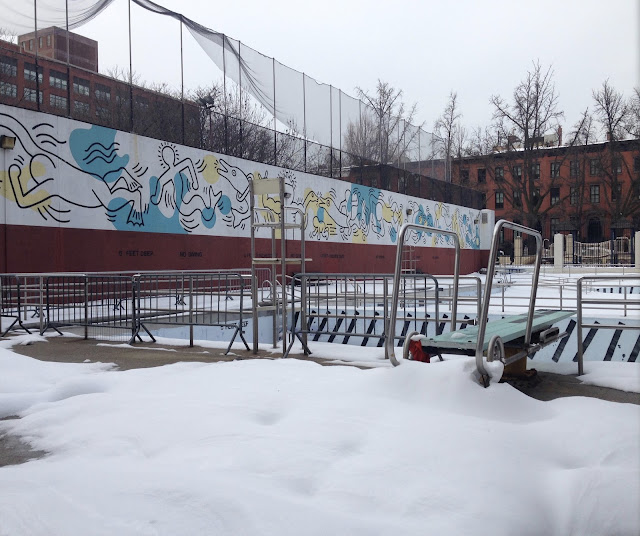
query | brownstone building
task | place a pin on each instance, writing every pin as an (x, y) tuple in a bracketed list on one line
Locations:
[(591, 191)]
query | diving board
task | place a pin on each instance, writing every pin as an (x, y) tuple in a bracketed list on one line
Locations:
[(523, 334), (511, 329)]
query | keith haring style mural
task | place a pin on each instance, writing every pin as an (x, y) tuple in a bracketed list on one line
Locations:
[(69, 174)]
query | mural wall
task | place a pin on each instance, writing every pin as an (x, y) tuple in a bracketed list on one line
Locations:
[(67, 174)]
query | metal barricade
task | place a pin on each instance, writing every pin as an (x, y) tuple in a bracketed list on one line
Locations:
[(343, 307), (191, 299), (101, 304), (11, 304)]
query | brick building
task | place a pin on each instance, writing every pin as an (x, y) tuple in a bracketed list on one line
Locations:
[(591, 191), (46, 82)]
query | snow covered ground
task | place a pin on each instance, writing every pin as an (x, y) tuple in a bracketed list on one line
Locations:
[(292, 447)]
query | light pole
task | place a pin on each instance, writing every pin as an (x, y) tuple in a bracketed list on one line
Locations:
[(208, 103)]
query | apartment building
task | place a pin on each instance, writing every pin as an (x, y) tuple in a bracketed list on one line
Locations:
[(591, 191)]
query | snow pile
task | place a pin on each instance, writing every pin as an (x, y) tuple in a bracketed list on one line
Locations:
[(292, 447)]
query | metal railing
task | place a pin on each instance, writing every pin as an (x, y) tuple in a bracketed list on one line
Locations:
[(108, 305), (340, 307), (105, 301), (11, 304), (397, 277), (633, 306), (191, 299), (614, 252)]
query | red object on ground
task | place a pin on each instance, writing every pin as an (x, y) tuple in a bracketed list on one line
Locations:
[(418, 354)]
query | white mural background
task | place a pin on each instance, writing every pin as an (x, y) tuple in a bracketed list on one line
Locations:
[(71, 174)]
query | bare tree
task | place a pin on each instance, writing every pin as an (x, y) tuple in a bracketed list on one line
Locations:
[(612, 111), (9, 35), (447, 128), (582, 135), (234, 124), (124, 75), (385, 129), (532, 112), (620, 198), (633, 121)]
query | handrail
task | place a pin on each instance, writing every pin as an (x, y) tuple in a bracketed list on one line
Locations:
[(491, 267), (389, 349)]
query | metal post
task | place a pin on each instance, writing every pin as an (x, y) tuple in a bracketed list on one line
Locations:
[(304, 121), (579, 326), (254, 282), (283, 265), (66, 12), (240, 90), (340, 127), (182, 78), (130, 75), (274, 290), (275, 132), (191, 311), (86, 308), (35, 26), (224, 90), (330, 131)]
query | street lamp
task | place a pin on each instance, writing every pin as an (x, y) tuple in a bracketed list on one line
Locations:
[(208, 103)]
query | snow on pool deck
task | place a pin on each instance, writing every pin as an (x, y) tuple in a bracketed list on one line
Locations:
[(291, 447)]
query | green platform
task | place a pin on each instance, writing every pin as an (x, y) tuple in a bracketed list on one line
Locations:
[(511, 328)]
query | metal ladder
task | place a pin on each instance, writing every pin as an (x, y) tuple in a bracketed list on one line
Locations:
[(275, 222)]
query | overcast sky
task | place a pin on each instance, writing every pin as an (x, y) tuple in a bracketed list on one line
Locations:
[(427, 49)]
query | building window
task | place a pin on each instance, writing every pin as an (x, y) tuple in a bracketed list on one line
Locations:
[(517, 172), (517, 200), (30, 71), (57, 101), (616, 192), (30, 44), (555, 222), (8, 90), (103, 93), (49, 41), (555, 170), (58, 79), (535, 171), (81, 86), (499, 200), (81, 108), (594, 167), (39, 42), (573, 196), (482, 175), (617, 165), (103, 113), (8, 67), (464, 175), (30, 95), (499, 173), (142, 102), (574, 169), (555, 196), (594, 193)]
